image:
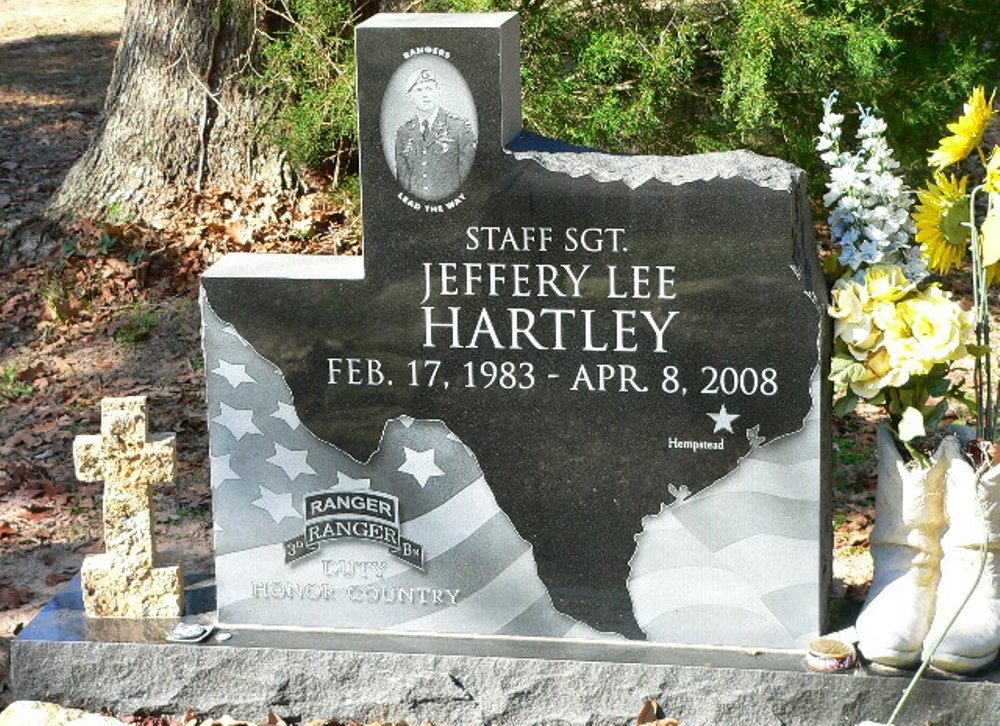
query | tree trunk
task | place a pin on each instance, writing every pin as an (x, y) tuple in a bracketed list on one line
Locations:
[(179, 117)]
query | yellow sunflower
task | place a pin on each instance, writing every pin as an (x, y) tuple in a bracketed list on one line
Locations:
[(992, 182), (942, 209), (967, 132)]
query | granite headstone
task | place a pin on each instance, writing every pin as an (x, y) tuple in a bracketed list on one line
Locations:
[(564, 394)]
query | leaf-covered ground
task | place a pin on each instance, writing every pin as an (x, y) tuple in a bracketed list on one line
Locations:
[(114, 312)]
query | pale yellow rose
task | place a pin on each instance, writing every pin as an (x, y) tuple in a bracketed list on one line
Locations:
[(886, 283), (860, 337), (849, 301), (929, 328), (883, 314), (852, 323), (862, 350), (880, 364), (880, 372), (867, 386)]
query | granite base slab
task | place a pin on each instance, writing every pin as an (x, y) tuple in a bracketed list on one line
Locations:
[(127, 665)]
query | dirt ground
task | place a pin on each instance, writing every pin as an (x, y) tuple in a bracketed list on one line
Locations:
[(85, 325), (55, 62)]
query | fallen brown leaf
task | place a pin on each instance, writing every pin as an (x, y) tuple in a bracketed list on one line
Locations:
[(12, 597), (35, 512), (57, 578), (27, 375), (649, 712), (45, 427), (13, 302)]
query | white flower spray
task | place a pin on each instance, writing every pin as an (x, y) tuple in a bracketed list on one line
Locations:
[(870, 205)]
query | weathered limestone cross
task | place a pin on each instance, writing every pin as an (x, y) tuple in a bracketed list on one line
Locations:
[(123, 582)]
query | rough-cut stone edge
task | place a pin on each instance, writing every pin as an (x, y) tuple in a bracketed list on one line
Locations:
[(116, 588), (453, 689), (634, 171)]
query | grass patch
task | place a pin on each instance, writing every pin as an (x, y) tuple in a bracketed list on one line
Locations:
[(11, 386), (134, 324)]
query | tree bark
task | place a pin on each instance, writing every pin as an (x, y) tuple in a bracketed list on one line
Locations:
[(179, 117)]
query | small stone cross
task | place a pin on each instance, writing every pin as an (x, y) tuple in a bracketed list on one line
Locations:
[(123, 581)]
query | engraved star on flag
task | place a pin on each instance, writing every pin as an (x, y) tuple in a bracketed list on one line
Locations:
[(420, 465), (234, 373), (292, 462)]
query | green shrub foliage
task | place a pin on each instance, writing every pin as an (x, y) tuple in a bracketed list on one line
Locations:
[(676, 76), (308, 77)]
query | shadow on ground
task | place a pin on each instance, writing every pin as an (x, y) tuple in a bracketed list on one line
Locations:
[(51, 93), (75, 68)]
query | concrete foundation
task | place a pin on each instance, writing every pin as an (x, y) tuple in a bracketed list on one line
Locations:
[(127, 665)]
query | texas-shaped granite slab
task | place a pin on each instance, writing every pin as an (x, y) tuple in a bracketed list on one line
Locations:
[(607, 336)]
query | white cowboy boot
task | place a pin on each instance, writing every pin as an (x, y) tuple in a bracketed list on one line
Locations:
[(972, 511), (905, 546)]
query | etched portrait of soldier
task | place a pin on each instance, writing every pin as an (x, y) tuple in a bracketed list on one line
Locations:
[(434, 147)]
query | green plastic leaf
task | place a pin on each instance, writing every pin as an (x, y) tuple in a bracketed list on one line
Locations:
[(845, 370), (937, 386), (846, 404), (933, 418), (940, 370)]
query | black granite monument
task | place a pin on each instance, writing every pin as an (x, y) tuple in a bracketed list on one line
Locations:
[(564, 394)]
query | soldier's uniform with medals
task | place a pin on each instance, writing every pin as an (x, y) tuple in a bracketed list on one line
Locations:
[(433, 156)]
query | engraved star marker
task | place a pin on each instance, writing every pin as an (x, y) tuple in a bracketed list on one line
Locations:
[(235, 374), (239, 422), (723, 420), (292, 462), (222, 471), (420, 465), (278, 506), (286, 413)]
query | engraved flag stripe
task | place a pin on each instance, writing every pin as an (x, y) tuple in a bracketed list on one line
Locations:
[(451, 523), (716, 568)]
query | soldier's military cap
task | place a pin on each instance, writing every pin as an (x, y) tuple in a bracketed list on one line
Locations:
[(421, 75)]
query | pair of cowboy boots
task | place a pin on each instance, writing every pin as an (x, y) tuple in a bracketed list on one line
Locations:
[(930, 525)]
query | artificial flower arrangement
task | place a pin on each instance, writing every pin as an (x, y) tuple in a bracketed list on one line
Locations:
[(895, 335), (935, 597)]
